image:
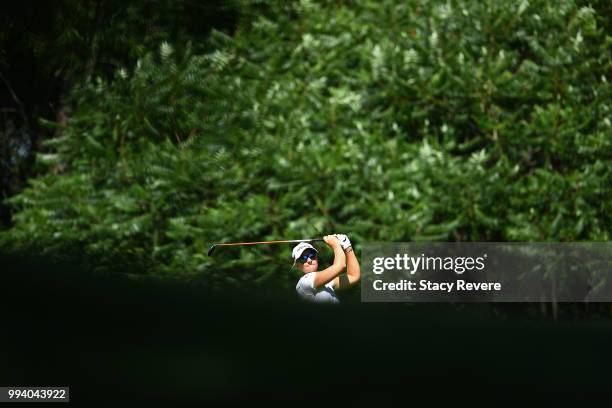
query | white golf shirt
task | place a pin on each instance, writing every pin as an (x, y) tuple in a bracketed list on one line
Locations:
[(325, 294)]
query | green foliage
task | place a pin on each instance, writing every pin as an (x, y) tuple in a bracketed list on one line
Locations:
[(79, 39), (48, 48), (384, 120)]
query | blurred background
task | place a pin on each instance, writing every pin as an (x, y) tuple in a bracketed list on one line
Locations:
[(135, 134)]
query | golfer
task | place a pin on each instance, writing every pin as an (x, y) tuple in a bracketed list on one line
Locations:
[(321, 286)]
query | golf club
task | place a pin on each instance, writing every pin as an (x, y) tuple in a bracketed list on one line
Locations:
[(292, 241)]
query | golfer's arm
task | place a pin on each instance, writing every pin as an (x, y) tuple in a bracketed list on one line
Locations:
[(353, 272), (328, 274)]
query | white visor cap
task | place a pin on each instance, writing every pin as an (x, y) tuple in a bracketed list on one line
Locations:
[(301, 247)]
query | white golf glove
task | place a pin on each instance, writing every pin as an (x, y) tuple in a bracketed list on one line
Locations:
[(344, 241)]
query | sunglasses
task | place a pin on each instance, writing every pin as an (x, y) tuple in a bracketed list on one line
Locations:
[(306, 255)]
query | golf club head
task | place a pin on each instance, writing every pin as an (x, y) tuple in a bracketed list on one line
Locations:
[(211, 249)]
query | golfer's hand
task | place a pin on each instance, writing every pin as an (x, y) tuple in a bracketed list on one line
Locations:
[(332, 241), (344, 241)]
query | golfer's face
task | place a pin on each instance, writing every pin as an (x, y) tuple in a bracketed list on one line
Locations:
[(311, 263)]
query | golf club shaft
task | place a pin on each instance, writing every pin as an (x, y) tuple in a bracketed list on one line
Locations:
[(290, 241)]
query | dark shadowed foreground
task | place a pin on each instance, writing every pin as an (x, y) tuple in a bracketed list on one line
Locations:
[(112, 339)]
